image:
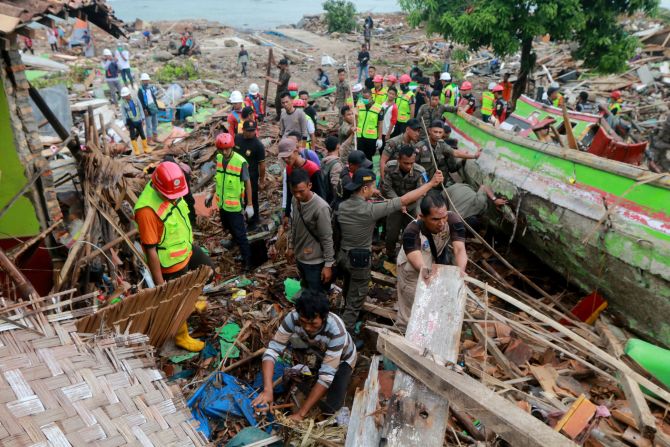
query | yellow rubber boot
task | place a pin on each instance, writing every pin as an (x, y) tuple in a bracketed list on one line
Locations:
[(136, 147), (185, 341), (201, 304), (145, 146)]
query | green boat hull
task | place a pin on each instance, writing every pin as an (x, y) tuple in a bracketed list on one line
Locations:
[(603, 224)]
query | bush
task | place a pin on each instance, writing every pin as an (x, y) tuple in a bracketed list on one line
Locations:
[(176, 70), (340, 16)]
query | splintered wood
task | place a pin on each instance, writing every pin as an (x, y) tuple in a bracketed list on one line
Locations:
[(156, 312), (62, 390)]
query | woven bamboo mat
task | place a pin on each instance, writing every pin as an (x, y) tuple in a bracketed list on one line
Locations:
[(65, 389)]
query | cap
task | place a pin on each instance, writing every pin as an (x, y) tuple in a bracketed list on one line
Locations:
[(249, 126), (414, 124), (358, 158), (286, 147), (361, 177), (437, 123)]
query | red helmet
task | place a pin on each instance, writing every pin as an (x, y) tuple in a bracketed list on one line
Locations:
[(224, 141), (616, 94), (466, 86), (497, 88), (378, 79), (405, 79), (392, 78), (292, 87), (169, 180), (298, 103)]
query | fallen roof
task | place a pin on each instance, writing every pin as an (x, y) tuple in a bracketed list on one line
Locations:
[(17, 13)]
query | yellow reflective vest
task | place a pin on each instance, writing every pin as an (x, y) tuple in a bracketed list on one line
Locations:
[(368, 121), (488, 98), (229, 184), (404, 106)]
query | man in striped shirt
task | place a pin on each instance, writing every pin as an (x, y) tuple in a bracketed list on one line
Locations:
[(322, 331)]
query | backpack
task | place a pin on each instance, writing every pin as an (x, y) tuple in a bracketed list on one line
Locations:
[(325, 172)]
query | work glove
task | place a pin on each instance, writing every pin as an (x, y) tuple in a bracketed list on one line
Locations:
[(379, 144), (249, 211), (208, 201)]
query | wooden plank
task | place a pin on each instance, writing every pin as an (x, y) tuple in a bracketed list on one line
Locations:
[(363, 430), (383, 280), (510, 369), (646, 422), (416, 415), (501, 416), (598, 353), (380, 311)]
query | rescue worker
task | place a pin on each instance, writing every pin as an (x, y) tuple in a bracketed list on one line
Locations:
[(471, 204), (392, 147), (424, 243), (255, 101), (112, 70), (342, 92), (614, 103), (332, 168), (292, 120), (252, 149), (233, 184), (378, 92), (406, 103), (508, 87), (468, 100), (432, 111), (369, 125), (356, 218), (235, 116), (312, 332), (449, 95), (162, 218), (346, 134), (133, 115), (500, 105), (390, 81), (658, 153), (401, 176), (300, 104), (356, 160), (584, 105), (389, 114), (148, 96), (555, 98), (488, 100), (282, 84), (290, 153)]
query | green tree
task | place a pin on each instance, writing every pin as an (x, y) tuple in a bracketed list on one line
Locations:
[(340, 16), (509, 26)]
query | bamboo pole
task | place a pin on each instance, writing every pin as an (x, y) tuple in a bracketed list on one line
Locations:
[(351, 93), (267, 82), (25, 288)]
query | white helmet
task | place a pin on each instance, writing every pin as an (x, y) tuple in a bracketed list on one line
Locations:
[(125, 91), (254, 90), (106, 52), (491, 85), (357, 88), (145, 77), (235, 97), (445, 77)]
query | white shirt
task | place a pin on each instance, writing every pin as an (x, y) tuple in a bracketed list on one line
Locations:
[(123, 64)]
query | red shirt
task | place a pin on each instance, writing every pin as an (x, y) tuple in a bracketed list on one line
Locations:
[(309, 166), (234, 120)]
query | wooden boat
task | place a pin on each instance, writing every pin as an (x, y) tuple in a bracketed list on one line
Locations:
[(602, 223)]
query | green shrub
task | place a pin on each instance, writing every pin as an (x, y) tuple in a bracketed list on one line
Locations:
[(176, 70), (340, 16)]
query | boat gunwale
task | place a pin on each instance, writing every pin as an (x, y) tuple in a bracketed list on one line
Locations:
[(588, 117), (615, 167)]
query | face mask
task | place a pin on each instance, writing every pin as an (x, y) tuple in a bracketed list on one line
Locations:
[(365, 101), (404, 87)]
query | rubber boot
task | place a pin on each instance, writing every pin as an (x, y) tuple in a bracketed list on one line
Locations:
[(145, 146), (185, 341), (201, 304), (136, 147)]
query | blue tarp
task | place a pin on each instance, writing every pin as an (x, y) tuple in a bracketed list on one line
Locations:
[(222, 396)]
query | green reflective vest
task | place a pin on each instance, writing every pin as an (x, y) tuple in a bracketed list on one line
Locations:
[(615, 108), (452, 99), (404, 106), (488, 98), (135, 117), (558, 101), (379, 96), (368, 121), (176, 243), (229, 184)]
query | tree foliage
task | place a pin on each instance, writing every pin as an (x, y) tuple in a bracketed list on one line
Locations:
[(509, 26), (340, 16)]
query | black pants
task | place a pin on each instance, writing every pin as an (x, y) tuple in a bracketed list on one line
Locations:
[(136, 129), (310, 276), (337, 391), (198, 258), (234, 222), (398, 129), (244, 68), (184, 50), (368, 146)]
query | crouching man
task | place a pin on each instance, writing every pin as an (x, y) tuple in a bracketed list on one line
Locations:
[(323, 332)]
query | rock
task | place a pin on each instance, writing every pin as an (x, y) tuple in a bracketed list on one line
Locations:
[(162, 56), (230, 43)]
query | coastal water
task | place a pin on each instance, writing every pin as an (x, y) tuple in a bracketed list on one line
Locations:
[(255, 14)]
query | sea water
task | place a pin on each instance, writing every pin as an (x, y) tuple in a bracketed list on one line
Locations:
[(255, 14)]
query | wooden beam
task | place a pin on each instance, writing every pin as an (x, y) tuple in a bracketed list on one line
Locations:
[(415, 415), (646, 422), (383, 280), (380, 311), (594, 350), (501, 416), (510, 368), (363, 430)]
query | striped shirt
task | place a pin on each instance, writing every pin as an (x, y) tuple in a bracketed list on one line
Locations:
[(333, 340)]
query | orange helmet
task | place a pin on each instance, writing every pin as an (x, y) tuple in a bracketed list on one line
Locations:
[(169, 180), (391, 78), (466, 86), (405, 79), (497, 88), (298, 103), (616, 94), (292, 87), (378, 79), (224, 141)]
